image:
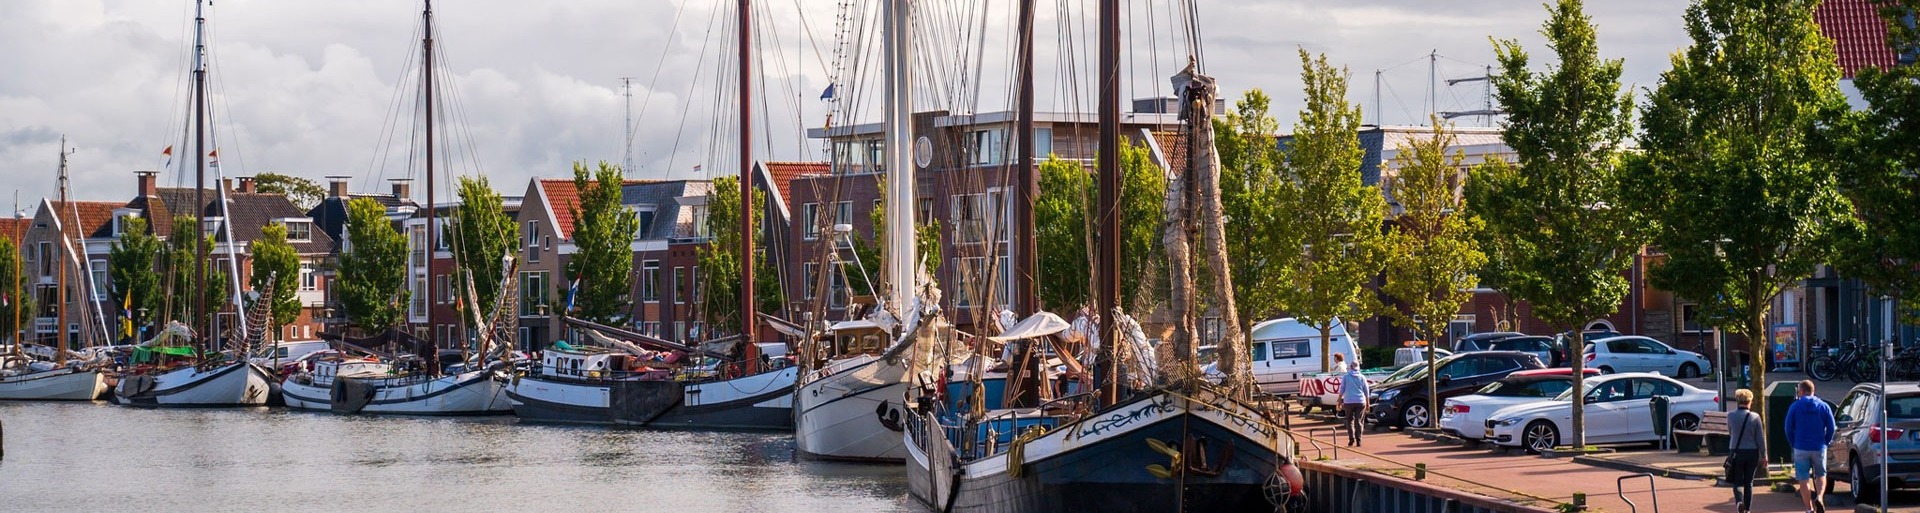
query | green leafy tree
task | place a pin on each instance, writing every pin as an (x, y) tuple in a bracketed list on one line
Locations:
[(720, 257), (182, 252), (1563, 243), (1250, 162), (1325, 209), (372, 276), (303, 192), (482, 234), (1879, 178), (1061, 209), (275, 260), (603, 231), (1432, 252), (1737, 168), (130, 263), (19, 303)]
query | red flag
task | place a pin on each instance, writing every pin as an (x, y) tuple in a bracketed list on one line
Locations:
[(167, 152)]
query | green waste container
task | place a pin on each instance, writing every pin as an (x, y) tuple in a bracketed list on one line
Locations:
[(1779, 398)]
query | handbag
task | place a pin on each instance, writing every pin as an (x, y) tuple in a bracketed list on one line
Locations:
[(1731, 449)]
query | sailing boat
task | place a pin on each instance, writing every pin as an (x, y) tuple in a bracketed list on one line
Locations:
[(1134, 444), (619, 381), (478, 387), (216, 379), (61, 380)]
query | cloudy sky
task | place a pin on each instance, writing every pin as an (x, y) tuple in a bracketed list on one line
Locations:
[(325, 87)]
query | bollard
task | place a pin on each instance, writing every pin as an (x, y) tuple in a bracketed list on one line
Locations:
[(1579, 501), (1419, 472)]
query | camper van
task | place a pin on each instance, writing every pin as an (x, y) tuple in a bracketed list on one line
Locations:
[(1285, 350)]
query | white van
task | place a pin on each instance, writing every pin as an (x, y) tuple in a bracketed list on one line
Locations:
[(1284, 350)]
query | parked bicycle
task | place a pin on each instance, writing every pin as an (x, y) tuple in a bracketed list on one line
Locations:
[(1857, 362)]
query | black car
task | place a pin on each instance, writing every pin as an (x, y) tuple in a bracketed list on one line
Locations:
[(1403, 403)]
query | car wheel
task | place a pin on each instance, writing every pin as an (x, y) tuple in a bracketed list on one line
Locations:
[(1689, 370), (1540, 436), (1606, 369), (1415, 414), (1685, 422), (1863, 490)]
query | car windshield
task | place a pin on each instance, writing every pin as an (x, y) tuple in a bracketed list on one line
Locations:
[(1405, 372)]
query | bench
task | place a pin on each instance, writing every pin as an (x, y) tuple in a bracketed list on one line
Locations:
[(1712, 431)]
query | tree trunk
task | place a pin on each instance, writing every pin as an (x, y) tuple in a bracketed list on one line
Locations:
[(1756, 342), (1575, 354), (1326, 347)]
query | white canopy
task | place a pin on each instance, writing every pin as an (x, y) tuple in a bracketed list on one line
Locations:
[(1039, 325)]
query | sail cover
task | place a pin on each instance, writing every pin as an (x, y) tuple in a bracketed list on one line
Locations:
[(1039, 325)]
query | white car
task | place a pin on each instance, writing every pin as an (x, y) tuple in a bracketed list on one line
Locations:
[(1642, 354), (1466, 415), (1619, 409)]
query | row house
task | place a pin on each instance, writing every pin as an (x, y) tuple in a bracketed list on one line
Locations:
[(70, 237), (432, 277), (330, 217), (966, 182)]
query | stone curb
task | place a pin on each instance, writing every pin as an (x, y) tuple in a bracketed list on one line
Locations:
[(1642, 468)]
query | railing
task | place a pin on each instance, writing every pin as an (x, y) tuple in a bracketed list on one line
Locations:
[(1620, 488)]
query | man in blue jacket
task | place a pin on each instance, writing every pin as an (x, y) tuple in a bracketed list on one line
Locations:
[(1809, 430)]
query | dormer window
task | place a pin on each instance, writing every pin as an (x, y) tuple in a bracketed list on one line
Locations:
[(644, 215), (120, 221), (299, 229)]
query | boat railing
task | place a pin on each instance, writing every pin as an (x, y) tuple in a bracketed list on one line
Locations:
[(595, 375)]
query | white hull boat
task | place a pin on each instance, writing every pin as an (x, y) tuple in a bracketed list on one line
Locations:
[(479, 392), (233, 384), (853, 409), (53, 385)]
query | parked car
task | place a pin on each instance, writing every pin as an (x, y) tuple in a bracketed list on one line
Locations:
[(1560, 341), (1466, 415), (1862, 432), (1405, 356), (1619, 409), (1480, 341), (1403, 403), (1285, 350), (1642, 354), (1540, 346)]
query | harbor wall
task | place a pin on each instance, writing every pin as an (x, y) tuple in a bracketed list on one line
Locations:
[(1338, 489)]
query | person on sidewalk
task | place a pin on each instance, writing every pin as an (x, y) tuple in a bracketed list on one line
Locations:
[(1339, 363), (1746, 430), (1809, 430), (1353, 402)]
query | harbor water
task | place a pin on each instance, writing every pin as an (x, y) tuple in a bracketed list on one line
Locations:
[(101, 457)]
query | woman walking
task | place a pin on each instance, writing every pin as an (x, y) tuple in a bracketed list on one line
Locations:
[(1746, 433)]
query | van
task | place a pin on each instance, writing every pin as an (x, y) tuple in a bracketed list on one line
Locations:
[(1285, 350)]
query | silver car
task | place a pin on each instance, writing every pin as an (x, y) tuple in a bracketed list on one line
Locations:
[(1861, 432)]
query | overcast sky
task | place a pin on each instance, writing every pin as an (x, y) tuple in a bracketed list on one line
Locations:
[(311, 87)]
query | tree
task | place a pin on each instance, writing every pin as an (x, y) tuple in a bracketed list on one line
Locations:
[(1432, 255), (182, 252), (372, 277), (1564, 242), (1062, 222), (1735, 166), (1879, 178), (130, 264), (302, 192), (1250, 162), (603, 231), (275, 261), (720, 257), (482, 234), (1325, 209), (17, 309)]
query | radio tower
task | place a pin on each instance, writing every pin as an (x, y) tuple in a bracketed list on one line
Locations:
[(626, 88)]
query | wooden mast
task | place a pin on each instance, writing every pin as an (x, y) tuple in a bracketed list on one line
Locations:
[(747, 212), (200, 264), (60, 353), (426, 81), (1026, 258), (1107, 273)]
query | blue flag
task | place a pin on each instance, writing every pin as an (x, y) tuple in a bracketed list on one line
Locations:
[(571, 291), (827, 94)]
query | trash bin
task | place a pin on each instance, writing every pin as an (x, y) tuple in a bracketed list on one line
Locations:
[(1779, 397), (1661, 427)]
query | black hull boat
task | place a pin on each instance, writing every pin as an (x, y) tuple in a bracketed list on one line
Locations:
[(1162, 451), (757, 402)]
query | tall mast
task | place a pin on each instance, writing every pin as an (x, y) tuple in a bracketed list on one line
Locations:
[(746, 171), (19, 268), (426, 81), (200, 292), (60, 354), (901, 260), (1026, 258), (1107, 274)]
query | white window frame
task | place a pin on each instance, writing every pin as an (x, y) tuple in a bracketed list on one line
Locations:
[(650, 281), (810, 221)]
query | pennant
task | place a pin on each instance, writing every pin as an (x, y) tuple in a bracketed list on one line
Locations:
[(168, 153), (572, 290), (827, 94), (213, 157)]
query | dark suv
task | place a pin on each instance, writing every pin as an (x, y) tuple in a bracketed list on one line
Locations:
[(1403, 403)]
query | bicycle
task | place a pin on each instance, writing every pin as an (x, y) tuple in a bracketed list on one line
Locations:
[(1835, 361)]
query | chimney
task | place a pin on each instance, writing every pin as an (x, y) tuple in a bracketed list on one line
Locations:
[(246, 185), (149, 184), (226, 184), (337, 186), (402, 188)]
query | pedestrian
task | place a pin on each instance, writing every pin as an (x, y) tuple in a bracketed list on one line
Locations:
[(1353, 402), (1746, 430), (1339, 363), (1809, 430)]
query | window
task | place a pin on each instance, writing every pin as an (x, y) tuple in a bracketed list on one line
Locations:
[(643, 214), (969, 215), (309, 279), (650, 281), (699, 221), (967, 277), (1854, 409), (1460, 326), (533, 292), (1547, 388), (876, 156), (533, 241), (988, 146), (1461, 367), (837, 290), (693, 282), (1259, 351), (810, 221), (1690, 319), (1622, 347), (299, 231), (810, 279), (100, 280), (442, 293), (46, 262), (679, 288), (1005, 288), (926, 211), (1651, 347), (1287, 349), (1610, 391), (679, 331), (1042, 143), (844, 213)]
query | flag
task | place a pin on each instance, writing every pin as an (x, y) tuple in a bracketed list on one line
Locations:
[(126, 314), (572, 290), (827, 94), (6, 300), (213, 157), (168, 153)]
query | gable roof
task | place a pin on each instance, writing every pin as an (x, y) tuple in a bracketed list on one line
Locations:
[(562, 197), (14, 229), (1858, 32), (782, 175), (248, 213), (96, 217)]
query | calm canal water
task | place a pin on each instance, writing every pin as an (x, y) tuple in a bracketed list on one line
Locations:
[(100, 457)]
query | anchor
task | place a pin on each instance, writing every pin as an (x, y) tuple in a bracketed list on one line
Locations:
[(1191, 456)]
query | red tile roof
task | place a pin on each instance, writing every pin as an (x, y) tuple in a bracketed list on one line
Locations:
[(785, 172), (1173, 147), (14, 229), (1858, 32), (96, 217), (562, 197)]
